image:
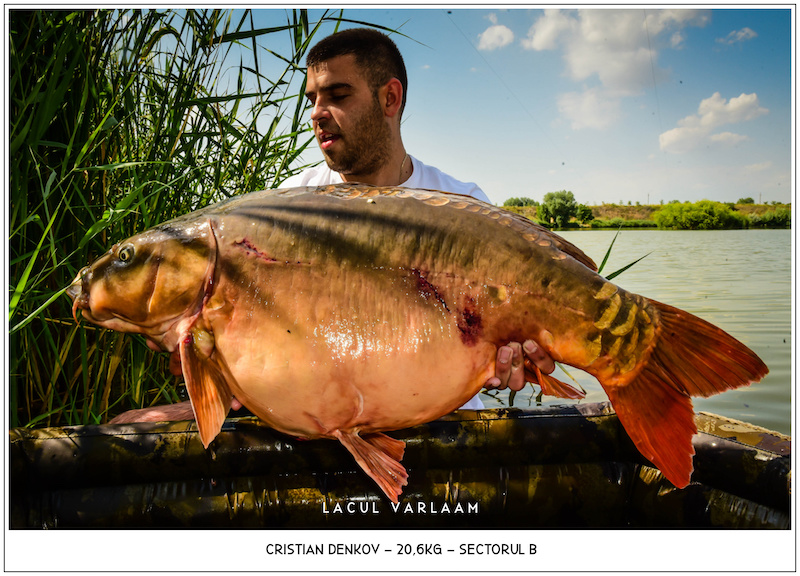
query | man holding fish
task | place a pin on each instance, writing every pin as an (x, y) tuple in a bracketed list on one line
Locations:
[(357, 85)]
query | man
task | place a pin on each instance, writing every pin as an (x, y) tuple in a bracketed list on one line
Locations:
[(357, 87)]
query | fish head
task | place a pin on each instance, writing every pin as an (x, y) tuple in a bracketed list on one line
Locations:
[(149, 281)]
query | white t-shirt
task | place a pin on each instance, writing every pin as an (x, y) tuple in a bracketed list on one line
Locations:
[(423, 176)]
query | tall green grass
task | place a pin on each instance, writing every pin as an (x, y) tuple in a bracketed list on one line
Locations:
[(119, 120)]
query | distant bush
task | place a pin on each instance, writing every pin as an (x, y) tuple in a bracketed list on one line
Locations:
[(520, 202), (778, 218), (622, 223), (703, 215), (746, 201)]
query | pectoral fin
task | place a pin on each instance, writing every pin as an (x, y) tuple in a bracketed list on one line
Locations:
[(206, 384), (379, 456)]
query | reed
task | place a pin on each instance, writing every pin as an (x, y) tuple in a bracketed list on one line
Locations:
[(119, 120)]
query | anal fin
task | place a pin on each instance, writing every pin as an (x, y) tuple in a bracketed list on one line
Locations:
[(379, 456), (207, 387), (553, 386)]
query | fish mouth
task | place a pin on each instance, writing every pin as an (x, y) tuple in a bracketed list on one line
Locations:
[(78, 291)]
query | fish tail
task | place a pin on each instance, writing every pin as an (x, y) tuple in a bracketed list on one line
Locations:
[(689, 357)]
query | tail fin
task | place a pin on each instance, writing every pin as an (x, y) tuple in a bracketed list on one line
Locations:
[(691, 357)]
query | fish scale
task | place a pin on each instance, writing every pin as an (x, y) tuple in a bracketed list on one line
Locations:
[(347, 311)]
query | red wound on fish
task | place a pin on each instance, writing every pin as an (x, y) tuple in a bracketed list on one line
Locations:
[(253, 250), (250, 248), (469, 322), (428, 290)]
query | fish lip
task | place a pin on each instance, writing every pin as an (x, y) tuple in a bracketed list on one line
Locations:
[(75, 305), (76, 287), (78, 291)]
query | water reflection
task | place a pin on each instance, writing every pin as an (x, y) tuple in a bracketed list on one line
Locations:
[(739, 280)]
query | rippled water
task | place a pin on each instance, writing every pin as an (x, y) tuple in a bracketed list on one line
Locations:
[(739, 280)]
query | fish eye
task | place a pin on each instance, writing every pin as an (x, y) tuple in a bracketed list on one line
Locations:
[(125, 253)]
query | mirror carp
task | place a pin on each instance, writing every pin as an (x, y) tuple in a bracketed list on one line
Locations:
[(347, 311)]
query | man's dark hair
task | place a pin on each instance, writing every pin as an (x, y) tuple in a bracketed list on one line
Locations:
[(374, 52)]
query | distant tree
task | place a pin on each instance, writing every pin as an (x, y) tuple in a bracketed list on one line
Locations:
[(746, 201), (520, 202), (558, 208), (584, 214)]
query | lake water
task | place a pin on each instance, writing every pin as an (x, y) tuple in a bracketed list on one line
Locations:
[(740, 280)]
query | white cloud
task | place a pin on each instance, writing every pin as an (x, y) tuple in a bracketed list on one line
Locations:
[(716, 111), (617, 47), (728, 138), (760, 167), (546, 30), (712, 113), (738, 36), (494, 37), (592, 108)]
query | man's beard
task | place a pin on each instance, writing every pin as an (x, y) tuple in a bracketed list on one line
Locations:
[(367, 145)]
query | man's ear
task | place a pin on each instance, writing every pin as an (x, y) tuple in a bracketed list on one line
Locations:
[(392, 100)]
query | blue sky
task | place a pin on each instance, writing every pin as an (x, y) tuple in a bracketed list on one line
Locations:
[(615, 105)]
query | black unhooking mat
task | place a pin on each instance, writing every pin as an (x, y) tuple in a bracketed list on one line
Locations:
[(565, 466)]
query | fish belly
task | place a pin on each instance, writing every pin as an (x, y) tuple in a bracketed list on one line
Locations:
[(315, 351)]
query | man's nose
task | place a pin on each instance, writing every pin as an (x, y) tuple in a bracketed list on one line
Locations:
[(319, 111)]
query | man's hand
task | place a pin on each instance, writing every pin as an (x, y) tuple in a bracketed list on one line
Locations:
[(510, 367)]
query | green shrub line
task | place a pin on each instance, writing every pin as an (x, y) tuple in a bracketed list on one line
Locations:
[(560, 211), (616, 223)]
